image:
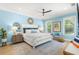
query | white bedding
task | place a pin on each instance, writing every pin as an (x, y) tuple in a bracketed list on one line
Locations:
[(35, 39)]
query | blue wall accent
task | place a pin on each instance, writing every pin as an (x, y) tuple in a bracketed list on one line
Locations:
[(8, 18), (61, 18)]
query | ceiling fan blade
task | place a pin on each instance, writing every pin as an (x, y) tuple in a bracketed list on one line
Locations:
[(50, 10), (47, 11), (43, 11)]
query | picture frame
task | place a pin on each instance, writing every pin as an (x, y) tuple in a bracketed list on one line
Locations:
[(57, 26), (30, 20)]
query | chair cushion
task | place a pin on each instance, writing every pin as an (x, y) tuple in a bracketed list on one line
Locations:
[(59, 38), (76, 39)]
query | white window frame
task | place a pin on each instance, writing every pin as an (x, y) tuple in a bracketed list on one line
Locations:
[(46, 26), (75, 21)]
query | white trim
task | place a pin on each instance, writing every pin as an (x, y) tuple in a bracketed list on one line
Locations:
[(4, 9), (17, 12), (46, 26)]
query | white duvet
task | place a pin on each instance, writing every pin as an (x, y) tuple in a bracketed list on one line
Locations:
[(35, 39)]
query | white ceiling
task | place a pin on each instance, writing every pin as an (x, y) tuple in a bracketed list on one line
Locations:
[(35, 9)]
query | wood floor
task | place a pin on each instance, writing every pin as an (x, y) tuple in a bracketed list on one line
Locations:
[(15, 49), (50, 48)]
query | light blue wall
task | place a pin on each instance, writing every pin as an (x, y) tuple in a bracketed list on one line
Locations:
[(61, 18), (8, 18)]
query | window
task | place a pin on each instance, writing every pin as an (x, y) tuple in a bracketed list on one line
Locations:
[(48, 26), (69, 25)]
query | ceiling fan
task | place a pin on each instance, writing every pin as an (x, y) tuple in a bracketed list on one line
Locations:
[(44, 11)]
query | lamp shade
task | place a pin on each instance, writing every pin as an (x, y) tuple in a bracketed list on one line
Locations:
[(14, 29), (41, 29)]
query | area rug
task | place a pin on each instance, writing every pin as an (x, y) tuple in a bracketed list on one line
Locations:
[(50, 48)]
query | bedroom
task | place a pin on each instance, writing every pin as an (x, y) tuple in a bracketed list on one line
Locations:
[(38, 22)]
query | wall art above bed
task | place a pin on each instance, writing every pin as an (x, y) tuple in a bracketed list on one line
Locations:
[(30, 20)]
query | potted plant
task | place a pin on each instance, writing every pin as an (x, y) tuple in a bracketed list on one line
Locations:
[(3, 36)]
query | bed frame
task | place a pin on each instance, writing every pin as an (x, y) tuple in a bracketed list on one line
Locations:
[(24, 29)]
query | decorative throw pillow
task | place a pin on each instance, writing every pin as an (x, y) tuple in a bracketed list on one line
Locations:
[(28, 31), (61, 39), (33, 31)]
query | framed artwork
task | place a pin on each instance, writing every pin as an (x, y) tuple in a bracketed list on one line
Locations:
[(57, 26), (30, 20)]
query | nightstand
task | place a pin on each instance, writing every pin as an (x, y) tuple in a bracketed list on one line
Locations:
[(17, 38)]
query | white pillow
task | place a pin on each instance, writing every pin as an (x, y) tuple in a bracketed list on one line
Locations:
[(28, 31), (38, 31), (35, 31)]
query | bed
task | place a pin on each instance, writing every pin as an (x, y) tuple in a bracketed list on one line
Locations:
[(35, 39)]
